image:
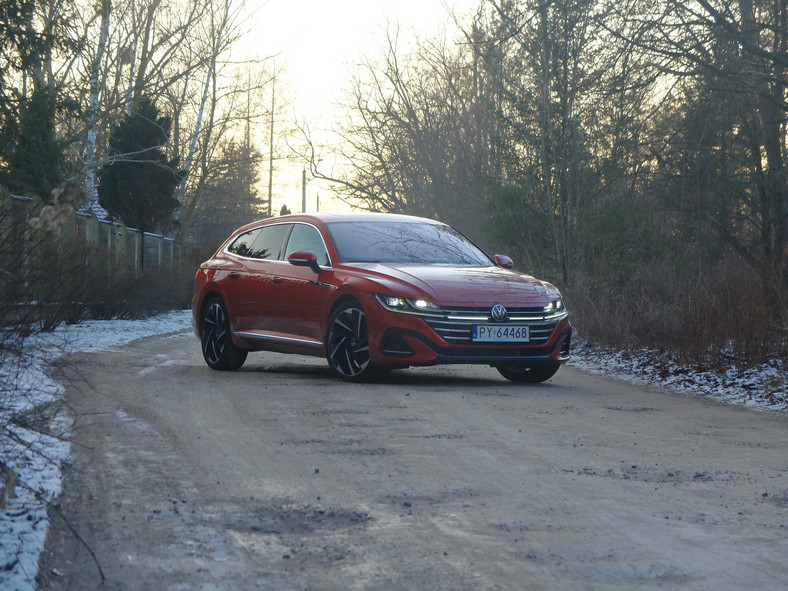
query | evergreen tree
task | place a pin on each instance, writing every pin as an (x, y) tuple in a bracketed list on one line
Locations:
[(228, 198), (15, 45), (138, 185), (36, 166)]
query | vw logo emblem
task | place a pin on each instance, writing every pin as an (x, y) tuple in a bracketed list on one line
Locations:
[(498, 313)]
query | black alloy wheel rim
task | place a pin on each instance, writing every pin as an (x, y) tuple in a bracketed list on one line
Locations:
[(348, 342), (214, 333)]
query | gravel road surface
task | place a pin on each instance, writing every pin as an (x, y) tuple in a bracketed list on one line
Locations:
[(281, 477)]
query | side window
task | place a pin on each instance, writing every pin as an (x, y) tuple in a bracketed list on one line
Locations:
[(268, 244), (242, 246), (306, 237)]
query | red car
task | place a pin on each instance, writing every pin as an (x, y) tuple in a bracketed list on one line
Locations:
[(374, 292)]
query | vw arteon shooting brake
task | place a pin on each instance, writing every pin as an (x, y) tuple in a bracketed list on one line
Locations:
[(374, 292)]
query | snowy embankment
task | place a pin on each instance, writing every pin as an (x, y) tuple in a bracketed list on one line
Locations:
[(763, 387), (36, 458), (33, 459)]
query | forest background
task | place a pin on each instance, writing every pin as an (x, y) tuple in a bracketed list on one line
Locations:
[(633, 152)]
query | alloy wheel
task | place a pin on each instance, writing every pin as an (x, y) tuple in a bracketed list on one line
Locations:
[(217, 346), (348, 343)]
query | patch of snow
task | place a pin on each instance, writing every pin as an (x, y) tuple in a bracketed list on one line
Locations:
[(95, 207), (34, 459), (763, 387)]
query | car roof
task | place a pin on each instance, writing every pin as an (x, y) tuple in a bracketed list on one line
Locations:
[(356, 216), (326, 218)]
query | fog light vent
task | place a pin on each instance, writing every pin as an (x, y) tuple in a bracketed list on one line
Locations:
[(395, 344), (565, 346)]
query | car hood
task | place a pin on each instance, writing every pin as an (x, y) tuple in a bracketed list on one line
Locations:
[(469, 286)]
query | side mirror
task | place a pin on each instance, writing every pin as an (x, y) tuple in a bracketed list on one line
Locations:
[(504, 261), (304, 258)]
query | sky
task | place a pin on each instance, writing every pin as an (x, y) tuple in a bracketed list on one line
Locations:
[(319, 43)]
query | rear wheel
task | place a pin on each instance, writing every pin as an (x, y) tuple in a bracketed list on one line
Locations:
[(347, 344), (522, 374), (217, 346)]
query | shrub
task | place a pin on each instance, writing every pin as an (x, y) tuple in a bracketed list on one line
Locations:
[(724, 312)]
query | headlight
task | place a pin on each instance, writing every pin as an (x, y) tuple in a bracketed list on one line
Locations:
[(400, 304), (392, 302), (554, 307), (425, 305)]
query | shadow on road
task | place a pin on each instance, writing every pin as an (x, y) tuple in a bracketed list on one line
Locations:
[(423, 376)]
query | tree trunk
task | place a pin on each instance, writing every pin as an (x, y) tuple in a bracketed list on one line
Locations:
[(770, 101), (90, 158)]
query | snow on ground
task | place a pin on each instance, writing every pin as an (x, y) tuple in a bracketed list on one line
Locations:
[(34, 457), (763, 387), (37, 457)]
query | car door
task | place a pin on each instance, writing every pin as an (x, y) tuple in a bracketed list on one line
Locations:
[(252, 284), (236, 275), (299, 296)]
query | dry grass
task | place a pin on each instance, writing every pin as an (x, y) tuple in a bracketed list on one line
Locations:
[(721, 314)]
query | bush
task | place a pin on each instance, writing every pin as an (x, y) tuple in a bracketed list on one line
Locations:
[(49, 276), (705, 316), (83, 281), (14, 320)]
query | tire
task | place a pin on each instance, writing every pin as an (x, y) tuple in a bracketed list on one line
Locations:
[(217, 345), (522, 374), (347, 344)]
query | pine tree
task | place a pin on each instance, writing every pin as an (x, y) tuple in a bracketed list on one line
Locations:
[(138, 185), (228, 197), (36, 166), (15, 45)]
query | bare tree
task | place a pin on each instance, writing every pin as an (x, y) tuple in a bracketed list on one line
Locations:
[(90, 158), (218, 32), (731, 54), (416, 135), (235, 106)]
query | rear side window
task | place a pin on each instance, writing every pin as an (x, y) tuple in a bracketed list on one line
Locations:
[(242, 246), (268, 244), (260, 243)]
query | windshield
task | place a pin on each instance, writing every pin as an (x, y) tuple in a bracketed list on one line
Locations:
[(404, 242)]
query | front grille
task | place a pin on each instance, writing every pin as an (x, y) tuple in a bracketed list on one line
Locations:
[(455, 324)]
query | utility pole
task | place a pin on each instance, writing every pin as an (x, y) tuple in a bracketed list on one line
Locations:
[(303, 190), (271, 143)]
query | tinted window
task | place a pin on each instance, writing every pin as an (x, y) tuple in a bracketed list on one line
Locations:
[(260, 243), (306, 237), (242, 246), (404, 242), (268, 244)]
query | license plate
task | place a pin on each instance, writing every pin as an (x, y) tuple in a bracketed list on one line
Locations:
[(505, 333)]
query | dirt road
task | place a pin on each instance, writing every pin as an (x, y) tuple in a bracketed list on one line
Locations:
[(281, 477)]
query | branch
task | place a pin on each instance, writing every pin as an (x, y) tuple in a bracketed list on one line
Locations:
[(777, 58)]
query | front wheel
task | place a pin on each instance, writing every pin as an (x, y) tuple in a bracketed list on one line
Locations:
[(217, 345), (522, 374), (347, 344)]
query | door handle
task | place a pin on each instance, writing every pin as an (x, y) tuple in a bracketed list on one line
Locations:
[(277, 280), (234, 275)]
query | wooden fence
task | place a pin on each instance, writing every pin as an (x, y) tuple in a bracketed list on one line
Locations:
[(139, 249)]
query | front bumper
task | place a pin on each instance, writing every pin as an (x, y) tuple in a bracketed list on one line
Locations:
[(410, 341)]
